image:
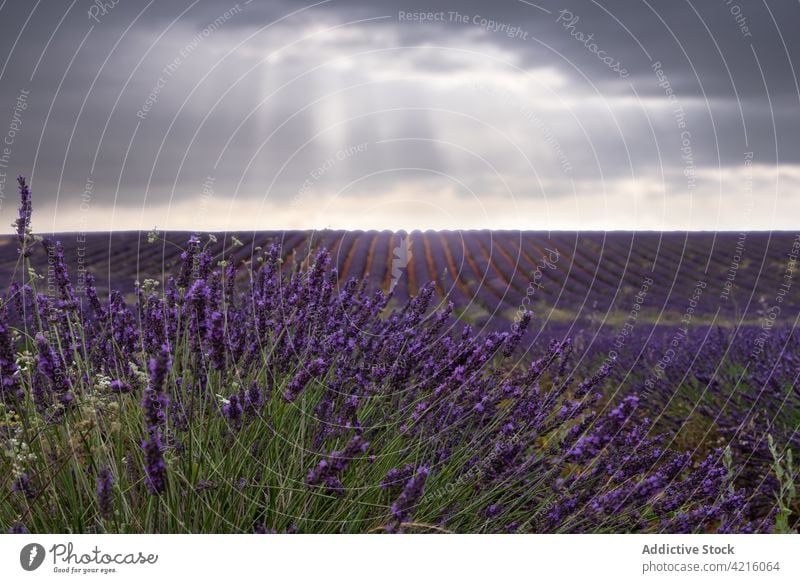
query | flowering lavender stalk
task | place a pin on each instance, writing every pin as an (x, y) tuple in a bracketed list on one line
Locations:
[(55, 258), (52, 367), (189, 263), (18, 528), (119, 386), (154, 404), (302, 377), (253, 399), (217, 350), (233, 411), (91, 294), (23, 223), (328, 470), (10, 389), (155, 468), (406, 504), (105, 493), (24, 486), (397, 477), (518, 332)]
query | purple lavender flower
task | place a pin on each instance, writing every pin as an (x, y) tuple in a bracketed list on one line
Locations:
[(155, 468), (329, 470), (493, 510), (217, 351), (302, 377), (253, 399), (23, 223), (397, 477), (189, 263), (18, 528), (24, 486), (91, 293), (10, 388), (55, 259), (51, 366), (120, 386), (105, 493), (154, 404), (405, 506), (160, 367), (518, 332), (233, 411)]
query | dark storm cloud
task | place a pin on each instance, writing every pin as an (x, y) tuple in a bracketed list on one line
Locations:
[(706, 44), (729, 64)]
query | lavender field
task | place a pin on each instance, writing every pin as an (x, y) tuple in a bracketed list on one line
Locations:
[(337, 381), (566, 276)]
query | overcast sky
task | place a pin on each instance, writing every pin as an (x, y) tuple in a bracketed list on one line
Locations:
[(212, 115)]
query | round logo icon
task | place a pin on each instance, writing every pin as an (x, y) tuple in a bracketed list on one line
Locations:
[(31, 556)]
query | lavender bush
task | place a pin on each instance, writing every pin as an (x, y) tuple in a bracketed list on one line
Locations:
[(259, 397)]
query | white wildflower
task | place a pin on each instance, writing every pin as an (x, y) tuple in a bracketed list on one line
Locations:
[(150, 285)]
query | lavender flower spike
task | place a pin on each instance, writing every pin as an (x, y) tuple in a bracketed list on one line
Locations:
[(155, 404), (328, 470), (10, 388), (155, 467), (406, 504), (105, 493), (51, 366), (23, 223)]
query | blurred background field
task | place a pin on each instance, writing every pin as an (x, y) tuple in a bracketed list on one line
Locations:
[(568, 278)]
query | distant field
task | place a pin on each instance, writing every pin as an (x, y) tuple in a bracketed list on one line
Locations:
[(656, 391), (564, 276)]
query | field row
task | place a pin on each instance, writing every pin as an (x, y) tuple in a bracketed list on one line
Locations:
[(564, 276)]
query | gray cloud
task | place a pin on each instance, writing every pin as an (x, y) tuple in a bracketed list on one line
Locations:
[(156, 97)]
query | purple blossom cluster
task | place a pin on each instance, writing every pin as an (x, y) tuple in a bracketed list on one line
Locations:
[(328, 471), (23, 222), (154, 405), (404, 507), (105, 493)]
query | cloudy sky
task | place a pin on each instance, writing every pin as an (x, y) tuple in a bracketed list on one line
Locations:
[(509, 114)]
